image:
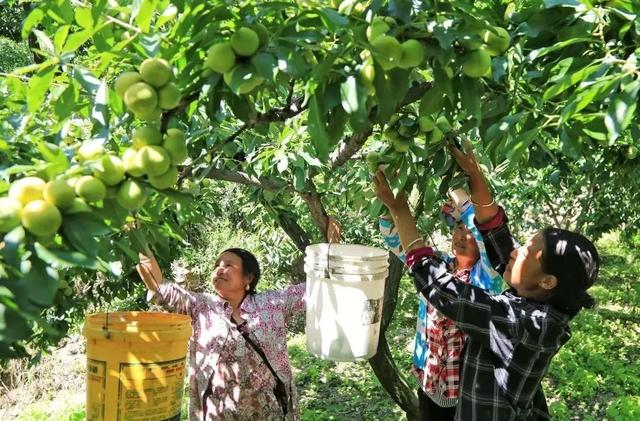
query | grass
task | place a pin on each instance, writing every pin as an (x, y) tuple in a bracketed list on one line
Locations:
[(595, 376)]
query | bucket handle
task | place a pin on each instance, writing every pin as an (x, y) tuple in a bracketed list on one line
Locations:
[(327, 270), (105, 326)]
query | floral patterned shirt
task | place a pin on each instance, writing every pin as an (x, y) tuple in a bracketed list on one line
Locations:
[(220, 358)]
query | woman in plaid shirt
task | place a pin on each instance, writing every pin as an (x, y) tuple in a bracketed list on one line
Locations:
[(512, 337), (439, 342)]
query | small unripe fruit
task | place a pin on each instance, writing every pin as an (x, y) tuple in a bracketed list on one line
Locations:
[(221, 58), (426, 123), (112, 171), (131, 195), (174, 143), (476, 63), (497, 43), (156, 71), (169, 96), (155, 160), (124, 81), (132, 163), (245, 42), (10, 212), (151, 115), (78, 206), (41, 218), (90, 188), (27, 189), (402, 144), (90, 150), (412, 54), (387, 51), (377, 29), (146, 135), (141, 98), (165, 180), (59, 193)]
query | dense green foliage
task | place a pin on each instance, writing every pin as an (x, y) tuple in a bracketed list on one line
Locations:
[(594, 377), (547, 92)]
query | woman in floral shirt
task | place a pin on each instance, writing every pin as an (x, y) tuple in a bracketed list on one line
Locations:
[(228, 379)]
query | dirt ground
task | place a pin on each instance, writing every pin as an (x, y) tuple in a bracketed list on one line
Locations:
[(58, 380)]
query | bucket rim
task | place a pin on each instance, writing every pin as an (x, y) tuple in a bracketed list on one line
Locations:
[(341, 250)]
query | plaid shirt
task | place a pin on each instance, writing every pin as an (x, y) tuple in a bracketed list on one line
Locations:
[(511, 340), (440, 379)]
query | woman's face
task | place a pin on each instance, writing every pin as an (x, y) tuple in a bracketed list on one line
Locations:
[(463, 244), (228, 278), (524, 271)]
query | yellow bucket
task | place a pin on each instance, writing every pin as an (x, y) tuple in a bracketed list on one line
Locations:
[(136, 365)]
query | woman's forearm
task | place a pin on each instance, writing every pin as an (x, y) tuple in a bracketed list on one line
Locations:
[(484, 206), (407, 229)]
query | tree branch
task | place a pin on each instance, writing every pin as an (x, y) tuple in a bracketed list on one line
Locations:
[(249, 180), (353, 143)]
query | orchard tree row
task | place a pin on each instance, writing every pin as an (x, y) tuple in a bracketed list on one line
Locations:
[(130, 106)]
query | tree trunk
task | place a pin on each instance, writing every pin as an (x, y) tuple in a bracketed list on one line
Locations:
[(382, 362)]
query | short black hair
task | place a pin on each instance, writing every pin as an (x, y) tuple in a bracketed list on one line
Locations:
[(574, 261), (250, 266)]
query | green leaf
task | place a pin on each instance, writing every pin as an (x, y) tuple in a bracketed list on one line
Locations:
[(42, 282), (386, 104), (618, 115), (61, 36), (431, 101), (44, 42), (100, 114), (38, 88), (66, 103), (65, 259), (76, 40), (84, 17), (241, 107), (570, 143), (299, 179), (33, 19), (87, 80), (317, 129), (81, 229), (568, 81), (541, 52), (583, 98), (265, 65), (142, 11), (470, 94), (521, 145), (333, 20), (11, 250), (354, 101)]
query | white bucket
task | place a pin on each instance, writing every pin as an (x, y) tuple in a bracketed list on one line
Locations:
[(346, 277), (344, 306), (347, 252), (347, 268)]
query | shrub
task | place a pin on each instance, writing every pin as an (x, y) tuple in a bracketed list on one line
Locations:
[(13, 54)]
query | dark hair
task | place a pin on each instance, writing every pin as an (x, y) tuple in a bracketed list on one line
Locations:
[(250, 266), (574, 261)]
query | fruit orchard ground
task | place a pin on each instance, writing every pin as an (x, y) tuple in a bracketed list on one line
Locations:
[(594, 376)]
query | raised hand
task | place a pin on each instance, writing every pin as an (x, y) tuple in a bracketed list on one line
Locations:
[(464, 157), (384, 193), (149, 271)]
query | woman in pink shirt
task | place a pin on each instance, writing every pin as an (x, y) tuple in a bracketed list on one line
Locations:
[(239, 364)]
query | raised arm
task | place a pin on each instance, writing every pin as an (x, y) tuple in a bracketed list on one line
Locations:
[(400, 213), (171, 294), (481, 198)]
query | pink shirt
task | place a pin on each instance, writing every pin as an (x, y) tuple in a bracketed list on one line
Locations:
[(242, 385)]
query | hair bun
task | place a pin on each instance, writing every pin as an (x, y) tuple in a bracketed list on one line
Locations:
[(587, 301)]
